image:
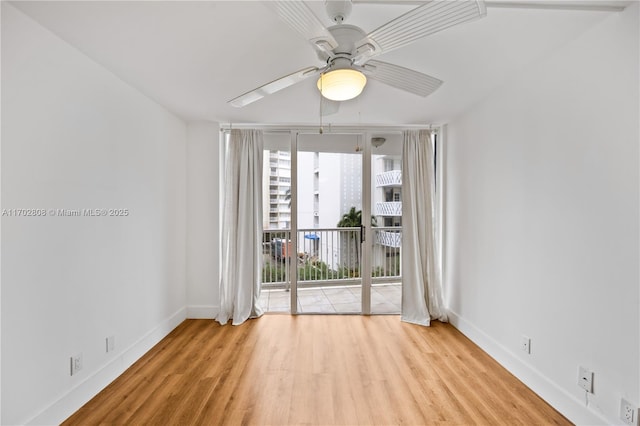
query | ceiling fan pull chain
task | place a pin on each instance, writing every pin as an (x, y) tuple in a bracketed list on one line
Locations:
[(320, 97)]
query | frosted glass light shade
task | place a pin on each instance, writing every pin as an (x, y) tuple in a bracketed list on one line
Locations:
[(341, 84)]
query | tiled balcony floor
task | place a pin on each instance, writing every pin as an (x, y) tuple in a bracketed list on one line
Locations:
[(385, 299)]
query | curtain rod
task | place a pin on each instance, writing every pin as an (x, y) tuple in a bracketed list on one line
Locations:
[(225, 127)]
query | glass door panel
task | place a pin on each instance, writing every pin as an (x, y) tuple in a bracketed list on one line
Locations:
[(276, 223), (386, 207), (329, 210)]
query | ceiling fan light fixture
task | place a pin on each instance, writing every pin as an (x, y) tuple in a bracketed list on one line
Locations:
[(341, 84)]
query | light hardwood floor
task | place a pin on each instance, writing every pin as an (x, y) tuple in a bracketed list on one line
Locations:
[(316, 370)]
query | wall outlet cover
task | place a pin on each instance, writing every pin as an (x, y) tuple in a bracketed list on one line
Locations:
[(76, 364), (525, 344), (628, 412), (585, 379), (111, 343)]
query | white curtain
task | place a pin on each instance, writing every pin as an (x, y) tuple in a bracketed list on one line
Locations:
[(242, 228), (421, 287)]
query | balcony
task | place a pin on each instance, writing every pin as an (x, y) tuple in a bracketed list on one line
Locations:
[(391, 178), (389, 239), (391, 208)]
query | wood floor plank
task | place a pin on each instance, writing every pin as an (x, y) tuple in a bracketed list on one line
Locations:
[(316, 370)]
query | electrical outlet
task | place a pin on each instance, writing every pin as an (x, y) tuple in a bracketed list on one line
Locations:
[(628, 412), (525, 344), (76, 364), (585, 379), (111, 343)]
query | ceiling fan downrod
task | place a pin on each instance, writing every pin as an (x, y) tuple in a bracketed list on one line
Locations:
[(338, 10)]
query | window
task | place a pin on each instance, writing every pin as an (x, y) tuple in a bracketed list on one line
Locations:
[(388, 164), (388, 195)]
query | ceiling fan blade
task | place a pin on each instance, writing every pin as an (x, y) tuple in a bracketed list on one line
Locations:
[(272, 87), (299, 17), (329, 107), (402, 78), (420, 22)]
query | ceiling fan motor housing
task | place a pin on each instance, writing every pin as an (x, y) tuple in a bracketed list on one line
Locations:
[(346, 36)]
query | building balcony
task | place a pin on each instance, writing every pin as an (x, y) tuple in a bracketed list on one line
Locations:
[(389, 239), (391, 178), (391, 208)]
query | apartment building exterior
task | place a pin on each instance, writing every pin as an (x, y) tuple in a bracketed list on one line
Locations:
[(388, 198), (276, 187)]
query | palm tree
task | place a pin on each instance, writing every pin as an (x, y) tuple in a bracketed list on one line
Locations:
[(287, 197), (353, 219)]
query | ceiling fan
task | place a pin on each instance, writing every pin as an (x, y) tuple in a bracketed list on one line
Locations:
[(347, 51)]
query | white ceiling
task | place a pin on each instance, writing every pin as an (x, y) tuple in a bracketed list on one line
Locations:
[(192, 57)]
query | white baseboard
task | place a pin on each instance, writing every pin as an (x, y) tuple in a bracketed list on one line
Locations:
[(552, 393), (202, 311), (75, 398)]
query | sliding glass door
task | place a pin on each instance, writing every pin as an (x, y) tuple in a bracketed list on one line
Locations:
[(277, 245), (386, 206), (332, 223), (330, 232)]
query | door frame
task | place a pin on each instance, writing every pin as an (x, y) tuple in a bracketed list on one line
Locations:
[(365, 245)]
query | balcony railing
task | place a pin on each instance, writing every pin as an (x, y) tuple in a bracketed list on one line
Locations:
[(390, 208), (389, 238), (386, 265), (390, 178), (329, 256)]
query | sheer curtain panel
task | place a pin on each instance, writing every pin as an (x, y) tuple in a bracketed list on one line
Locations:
[(241, 228), (421, 287)]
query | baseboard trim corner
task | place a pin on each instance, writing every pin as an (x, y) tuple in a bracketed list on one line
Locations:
[(202, 311), (80, 394)]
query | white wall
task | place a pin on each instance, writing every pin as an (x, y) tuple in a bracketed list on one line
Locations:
[(330, 188), (542, 221), (73, 137), (203, 230), (305, 189)]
